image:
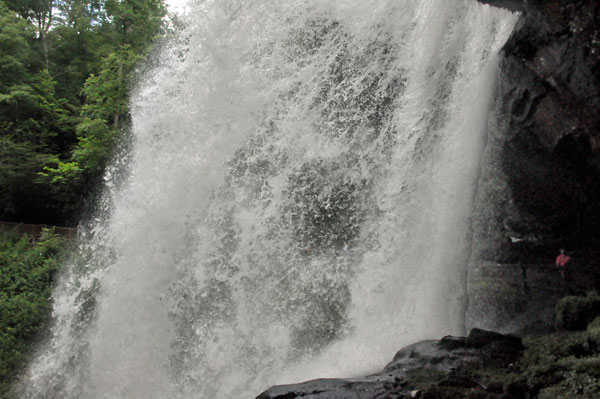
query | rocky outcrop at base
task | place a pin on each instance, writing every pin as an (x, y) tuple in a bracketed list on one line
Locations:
[(484, 365), (426, 369)]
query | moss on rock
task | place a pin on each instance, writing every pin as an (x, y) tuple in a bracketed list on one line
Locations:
[(576, 312)]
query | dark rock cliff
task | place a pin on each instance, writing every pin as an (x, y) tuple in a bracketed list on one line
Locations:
[(540, 184)]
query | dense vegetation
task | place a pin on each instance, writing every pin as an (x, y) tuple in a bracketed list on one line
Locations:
[(26, 282), (66, 68)]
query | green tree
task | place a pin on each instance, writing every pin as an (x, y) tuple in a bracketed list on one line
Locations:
[(132, 26), (104, 116), (41, 14), (66, 67), (15, 52), (136, 22), (33, 123), (77, 49), (30, 112)]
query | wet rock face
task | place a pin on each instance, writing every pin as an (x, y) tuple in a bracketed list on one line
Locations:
[(550, 91), (540, 183), (550, 95)]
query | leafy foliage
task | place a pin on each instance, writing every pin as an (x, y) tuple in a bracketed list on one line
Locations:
[(65, 69), (26, 280)]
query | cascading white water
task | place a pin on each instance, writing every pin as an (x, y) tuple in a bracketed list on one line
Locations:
[(297, 203)]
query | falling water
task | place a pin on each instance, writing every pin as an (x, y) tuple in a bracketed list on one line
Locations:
[(296, 202)]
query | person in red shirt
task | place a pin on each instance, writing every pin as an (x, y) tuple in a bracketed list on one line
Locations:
[(561, 262)]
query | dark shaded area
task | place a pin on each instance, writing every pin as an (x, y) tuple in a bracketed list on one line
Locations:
[(576, 312), (549, 88)]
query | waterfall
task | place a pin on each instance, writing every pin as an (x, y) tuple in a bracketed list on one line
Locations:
[(295, 204)]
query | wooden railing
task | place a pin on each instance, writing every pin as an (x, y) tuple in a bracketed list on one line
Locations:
[(35, 230)]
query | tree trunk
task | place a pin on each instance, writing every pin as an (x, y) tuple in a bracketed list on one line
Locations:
[(44, 20)]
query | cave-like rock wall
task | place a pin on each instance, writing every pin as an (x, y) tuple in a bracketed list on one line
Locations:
[(539, 189)]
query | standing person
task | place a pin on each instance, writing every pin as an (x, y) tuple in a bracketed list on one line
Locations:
[(561, 262)]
